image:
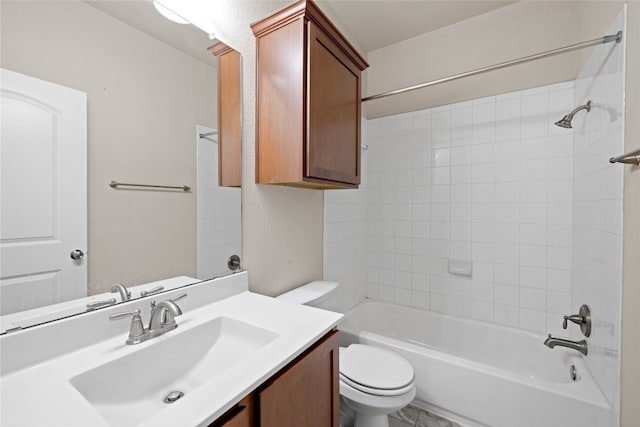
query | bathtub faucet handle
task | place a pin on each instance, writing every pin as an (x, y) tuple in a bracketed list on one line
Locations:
[(574, 318), (583, 318)]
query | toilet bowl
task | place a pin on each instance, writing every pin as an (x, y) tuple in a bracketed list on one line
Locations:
[(374, 382)]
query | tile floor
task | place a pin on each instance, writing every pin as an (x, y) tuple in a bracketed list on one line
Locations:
[(411, 416)]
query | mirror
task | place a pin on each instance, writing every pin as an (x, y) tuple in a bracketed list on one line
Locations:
[(142, 91)]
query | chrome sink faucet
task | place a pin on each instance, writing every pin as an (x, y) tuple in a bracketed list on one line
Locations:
[(580, 346), (125, 294), (162, 320), (163, 316)]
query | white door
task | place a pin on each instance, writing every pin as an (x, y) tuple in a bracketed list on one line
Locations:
[(43, 184)]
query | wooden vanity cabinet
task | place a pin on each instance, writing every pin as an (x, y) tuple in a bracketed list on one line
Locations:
[(304, 393), (241, 415), (308, 101), (229, 115)]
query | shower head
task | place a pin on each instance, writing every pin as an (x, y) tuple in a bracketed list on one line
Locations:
[(565, 122)]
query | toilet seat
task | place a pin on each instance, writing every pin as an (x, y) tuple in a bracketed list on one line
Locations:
[(375, 391), (375, 371)]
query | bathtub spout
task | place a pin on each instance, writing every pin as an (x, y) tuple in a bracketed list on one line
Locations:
[(580, 346)]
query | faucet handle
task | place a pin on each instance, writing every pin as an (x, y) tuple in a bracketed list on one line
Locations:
[(99, 304), (152, 291), (136, 331), (583, 318), (575, 318), (179, 297), (125, 314)]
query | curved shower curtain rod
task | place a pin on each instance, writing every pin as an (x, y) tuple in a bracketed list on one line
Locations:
[(601, 40)]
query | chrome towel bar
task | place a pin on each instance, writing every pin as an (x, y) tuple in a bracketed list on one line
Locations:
[(114, 184), (630, 158)]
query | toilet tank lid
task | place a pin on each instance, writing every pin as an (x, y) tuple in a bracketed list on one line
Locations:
[(309, 293)]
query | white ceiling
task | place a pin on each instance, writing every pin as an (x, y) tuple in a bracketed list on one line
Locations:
[(372, 23), (378, 23)]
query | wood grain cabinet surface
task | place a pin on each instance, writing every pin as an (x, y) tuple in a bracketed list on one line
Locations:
[(305, 393), (229, 115), (308, 101), (241, 415)]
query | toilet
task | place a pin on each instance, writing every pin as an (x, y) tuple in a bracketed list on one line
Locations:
[(374, 381)]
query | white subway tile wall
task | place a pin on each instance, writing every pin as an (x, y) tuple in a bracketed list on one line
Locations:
[(487, 180), (345, 242), (219, 216), (536, 208), (597, 214)]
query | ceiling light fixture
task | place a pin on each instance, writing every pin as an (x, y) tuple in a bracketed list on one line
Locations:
[(168, 13), (185, 12)]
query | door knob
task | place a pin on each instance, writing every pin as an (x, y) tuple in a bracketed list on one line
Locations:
[(77, 254)]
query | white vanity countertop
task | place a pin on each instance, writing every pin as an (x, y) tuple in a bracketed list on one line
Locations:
[(42, 394)]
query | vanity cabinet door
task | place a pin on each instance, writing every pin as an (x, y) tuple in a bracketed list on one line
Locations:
[(241, 419), (306, 393), (240, 415)]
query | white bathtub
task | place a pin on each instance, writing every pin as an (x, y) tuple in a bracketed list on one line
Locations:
[(482, 374)]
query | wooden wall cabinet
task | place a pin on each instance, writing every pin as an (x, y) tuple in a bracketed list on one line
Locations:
[(308, 101), (229, 115), (304, 393)]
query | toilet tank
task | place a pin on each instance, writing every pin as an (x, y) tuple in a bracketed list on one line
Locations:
[(312, 293)]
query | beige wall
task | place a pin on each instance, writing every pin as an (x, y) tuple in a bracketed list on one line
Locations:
[(144, 100), (513, 31), (282, 228)]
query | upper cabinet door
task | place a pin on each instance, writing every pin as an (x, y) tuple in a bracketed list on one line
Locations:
[(308, 101), (229, 116), (280, 118), (333, 105)]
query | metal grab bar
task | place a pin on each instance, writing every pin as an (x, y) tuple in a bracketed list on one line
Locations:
[(600, 40), (115, 184), (630, 158)]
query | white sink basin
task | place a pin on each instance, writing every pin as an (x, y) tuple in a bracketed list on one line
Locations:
[(81, 373), (130, 389)]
